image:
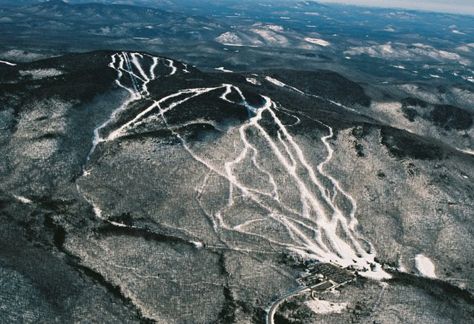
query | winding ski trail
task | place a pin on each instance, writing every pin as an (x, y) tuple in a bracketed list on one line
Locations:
[(314, 224), (7, 63), (319, 228)]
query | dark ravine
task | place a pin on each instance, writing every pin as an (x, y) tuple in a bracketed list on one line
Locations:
[(75, 262)]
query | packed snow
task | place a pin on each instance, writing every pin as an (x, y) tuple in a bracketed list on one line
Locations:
[(7, 63), (23, 200), (223, 69), (38, 74), (317, 41), (325, 307), (425, 266)]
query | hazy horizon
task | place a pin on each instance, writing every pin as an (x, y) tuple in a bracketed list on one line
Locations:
[(454, 6)]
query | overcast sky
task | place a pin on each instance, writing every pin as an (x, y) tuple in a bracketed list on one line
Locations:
[(456, 6)]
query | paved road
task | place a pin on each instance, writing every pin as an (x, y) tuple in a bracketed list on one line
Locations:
[(271, 312)]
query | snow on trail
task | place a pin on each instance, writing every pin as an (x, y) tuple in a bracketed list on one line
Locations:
[(317, 41), (425, 266), (223, 69), (281, 84), (23, 199), (157, 106), (186, 68), (466, 151), (7, 63), (312, 224), (325, 307), (171, 65), (318, 211), (275, 82), (133, 76), (253, 81), (118, 63), (317, 229)]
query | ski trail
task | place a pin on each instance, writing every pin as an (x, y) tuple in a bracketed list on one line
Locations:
[(116, 64), (153, 67), (171, 65), (227, 174), (7, 63), (281, 84), (338, 244), (326, 215), (146, 79), (349, 229), (123, 63), (120, 62), (317, 228), (133, 77), (136, 63), (344, 251), (353, 221), (157, 106), (186, 68)]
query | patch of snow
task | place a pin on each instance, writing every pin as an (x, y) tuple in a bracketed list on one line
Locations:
[(467, 151), (425, 266), (275, 28), (376, 274), (118, 224), (419, 92), (275, 81), (400, 67), (469, 79), (270, 36), (325, 307), (197, 245), (23, 199), (253, 81), (317, 41), (464, 48), (7, 63), (38, 74), (401, 266), (223, 69), (21, 56), (229, 39), (281, 84)]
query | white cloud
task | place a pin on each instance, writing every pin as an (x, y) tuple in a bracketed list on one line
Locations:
[(454, 6)]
